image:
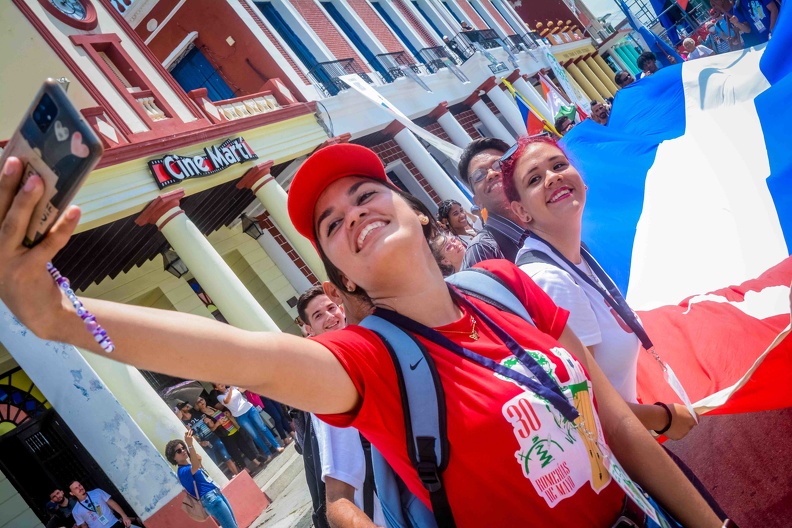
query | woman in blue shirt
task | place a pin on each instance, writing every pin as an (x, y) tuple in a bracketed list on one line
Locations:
[(195, 479)]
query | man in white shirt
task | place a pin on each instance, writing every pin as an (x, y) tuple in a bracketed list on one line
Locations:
[(696, 52), (94, 509), (341, 452)]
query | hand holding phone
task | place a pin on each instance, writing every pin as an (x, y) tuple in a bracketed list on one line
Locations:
[(55, 143)]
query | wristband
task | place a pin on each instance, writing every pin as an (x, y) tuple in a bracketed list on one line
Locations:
[(670, 418)]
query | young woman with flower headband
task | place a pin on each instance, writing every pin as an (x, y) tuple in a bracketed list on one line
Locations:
[(519, 456)]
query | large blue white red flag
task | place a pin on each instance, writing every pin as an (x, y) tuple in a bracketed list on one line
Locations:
[(690, 192)]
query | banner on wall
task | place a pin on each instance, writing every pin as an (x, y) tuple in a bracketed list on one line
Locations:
[(563, 79), (366, 90)]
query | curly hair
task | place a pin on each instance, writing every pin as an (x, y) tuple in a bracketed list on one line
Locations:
[(170, 450), (507, 168), (444, 210)]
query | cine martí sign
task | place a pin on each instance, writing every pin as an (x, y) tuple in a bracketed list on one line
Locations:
[(173, 168)]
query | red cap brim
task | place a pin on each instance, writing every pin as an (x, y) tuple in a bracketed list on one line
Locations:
[(322, 168)]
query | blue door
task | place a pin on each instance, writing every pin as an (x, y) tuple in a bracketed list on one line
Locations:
[(396, 29), (287, 34), (353, 36), (194, 71)]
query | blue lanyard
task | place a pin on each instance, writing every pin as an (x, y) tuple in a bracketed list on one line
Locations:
[(612, 296), (542, 385)]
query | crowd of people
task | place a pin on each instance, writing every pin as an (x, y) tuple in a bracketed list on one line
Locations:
[(560, 379)]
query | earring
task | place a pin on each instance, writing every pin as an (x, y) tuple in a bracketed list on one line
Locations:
[(585, 187), (423, 219), (350, 288)]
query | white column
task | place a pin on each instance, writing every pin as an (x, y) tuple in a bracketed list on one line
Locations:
[(530, 93), (430, 169), (239, 307), (508, 109), (454, 129), (292, 273), (490, 121), (273, 198), (149, 411), (95, 416)]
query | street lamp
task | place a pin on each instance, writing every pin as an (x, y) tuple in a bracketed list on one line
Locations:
[(251, 227), (173, 263)]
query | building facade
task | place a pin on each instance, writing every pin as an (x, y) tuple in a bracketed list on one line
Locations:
[(206, 109)]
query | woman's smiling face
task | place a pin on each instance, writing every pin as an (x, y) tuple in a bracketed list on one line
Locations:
[(550, 188), (365, 229)]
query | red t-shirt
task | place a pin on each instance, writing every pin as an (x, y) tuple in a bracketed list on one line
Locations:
[(514, 461)]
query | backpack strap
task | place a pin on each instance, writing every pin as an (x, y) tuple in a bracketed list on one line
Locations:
[(423, 403), (485, 286), (368, 481)]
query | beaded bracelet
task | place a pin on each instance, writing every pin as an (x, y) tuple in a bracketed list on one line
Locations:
[(88, 318)]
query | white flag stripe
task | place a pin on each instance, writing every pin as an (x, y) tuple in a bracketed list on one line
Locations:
[(708, 218)]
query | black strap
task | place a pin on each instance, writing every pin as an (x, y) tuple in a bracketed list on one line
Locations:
[(429, 474), (611, 293), (368, 481)]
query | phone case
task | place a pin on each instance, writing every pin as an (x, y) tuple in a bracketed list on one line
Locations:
[(62, 154)]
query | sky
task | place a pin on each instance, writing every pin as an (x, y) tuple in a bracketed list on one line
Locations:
[(603, 7)]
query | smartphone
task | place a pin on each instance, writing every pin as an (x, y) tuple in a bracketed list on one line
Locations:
[(54, 142)]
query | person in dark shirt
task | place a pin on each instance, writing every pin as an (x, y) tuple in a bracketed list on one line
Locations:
[(211, 443), (60, 508), (503, 234)]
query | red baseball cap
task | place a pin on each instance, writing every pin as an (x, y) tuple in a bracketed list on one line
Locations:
[(322, 168)]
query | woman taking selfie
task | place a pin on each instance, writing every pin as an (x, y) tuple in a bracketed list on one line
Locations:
[(197, 482), (546, 457)]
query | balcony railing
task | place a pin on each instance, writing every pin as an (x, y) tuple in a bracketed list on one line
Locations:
[(326, 75), (486, 37), (517, 43), (149, 104), (393, 63), (237, 108), (433, 57)]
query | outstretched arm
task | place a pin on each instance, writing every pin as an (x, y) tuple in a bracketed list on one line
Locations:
[(287, 368), (640, 455)]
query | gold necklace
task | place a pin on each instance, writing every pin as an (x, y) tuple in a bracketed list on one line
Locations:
[(474, 335)]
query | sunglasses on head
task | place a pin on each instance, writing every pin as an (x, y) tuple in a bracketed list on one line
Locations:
[(479, 174)]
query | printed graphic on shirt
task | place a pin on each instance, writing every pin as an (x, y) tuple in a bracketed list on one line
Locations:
[(557, 457)]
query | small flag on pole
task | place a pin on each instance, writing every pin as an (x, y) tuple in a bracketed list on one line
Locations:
[(534, 122)]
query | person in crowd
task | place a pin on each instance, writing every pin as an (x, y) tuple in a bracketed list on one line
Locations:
[(735, 24), (94, 509), (272, 408), (60, 508), (754, 18), (372, 239), (714, 40), (695, 52), (454, 219), (224, 426), (503, 233), (547, 193), (465, 26), (600, 112), (563, 125), (449, 253), (248, 418), (340, 450), (454, 47), (197, 482), (211, 443), (622, 79), (647, 63)]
